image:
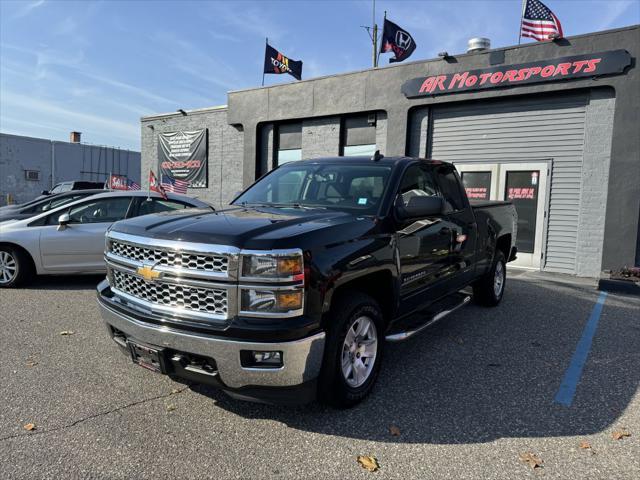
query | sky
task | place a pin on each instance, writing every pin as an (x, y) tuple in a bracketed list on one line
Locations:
[(98, 66)]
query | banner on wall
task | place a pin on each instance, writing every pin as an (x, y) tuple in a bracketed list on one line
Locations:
[(183, 156)]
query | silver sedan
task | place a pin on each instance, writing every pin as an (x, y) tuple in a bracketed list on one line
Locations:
[(70, 239)]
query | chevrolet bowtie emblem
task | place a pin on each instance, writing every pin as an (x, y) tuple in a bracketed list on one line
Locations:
[(148, 273)]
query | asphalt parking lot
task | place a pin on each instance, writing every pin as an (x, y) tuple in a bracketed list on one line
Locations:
[(469, 397)]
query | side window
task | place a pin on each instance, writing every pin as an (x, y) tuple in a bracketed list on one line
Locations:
[(417, 182), (451, 189), (105, 210), (157, 206)]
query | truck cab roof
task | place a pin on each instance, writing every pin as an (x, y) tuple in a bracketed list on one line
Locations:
[(366, 160)]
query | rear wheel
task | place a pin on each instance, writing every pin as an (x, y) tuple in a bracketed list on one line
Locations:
[(15, 267), (489, 289), (353, 351)]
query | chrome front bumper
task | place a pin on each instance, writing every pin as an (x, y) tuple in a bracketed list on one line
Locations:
[(302, 359)]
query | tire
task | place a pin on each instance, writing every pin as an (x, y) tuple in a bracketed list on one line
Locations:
[(336, 387), (15, 267), (489, 290)]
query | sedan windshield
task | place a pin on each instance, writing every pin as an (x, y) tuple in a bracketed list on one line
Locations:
[(351, 187)]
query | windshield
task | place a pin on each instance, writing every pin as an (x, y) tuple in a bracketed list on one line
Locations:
[(351, 187)]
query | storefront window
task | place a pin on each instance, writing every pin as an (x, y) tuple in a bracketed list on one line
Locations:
[(354, 150), (359, 135), (289, 143), (522, 191), (292, 155), (477, 185)]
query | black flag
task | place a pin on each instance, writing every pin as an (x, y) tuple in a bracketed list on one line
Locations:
[(276, 62), (396, 40)]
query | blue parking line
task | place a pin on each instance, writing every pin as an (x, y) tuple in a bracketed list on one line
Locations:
[(572, 376)]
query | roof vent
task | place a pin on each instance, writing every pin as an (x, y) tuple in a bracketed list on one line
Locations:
[(478, 44), (74, 137)]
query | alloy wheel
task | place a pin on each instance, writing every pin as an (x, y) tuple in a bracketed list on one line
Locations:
[(359, 351), (8, 267), (498, 280)]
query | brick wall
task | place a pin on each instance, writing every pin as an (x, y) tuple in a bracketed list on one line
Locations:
[(225, 144)]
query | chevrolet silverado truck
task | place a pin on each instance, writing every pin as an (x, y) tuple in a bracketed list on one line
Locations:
[(291, 293)]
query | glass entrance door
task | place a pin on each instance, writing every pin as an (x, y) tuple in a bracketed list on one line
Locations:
[(523, 184)]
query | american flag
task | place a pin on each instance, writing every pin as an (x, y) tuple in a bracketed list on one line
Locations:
[(133, 185), (174, 185), (539, 22)]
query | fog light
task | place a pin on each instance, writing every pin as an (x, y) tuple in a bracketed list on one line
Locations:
[(257, 359)]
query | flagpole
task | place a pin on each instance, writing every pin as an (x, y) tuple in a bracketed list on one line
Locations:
[(378, 54), (524, 3), (375, 37), (266, 43)]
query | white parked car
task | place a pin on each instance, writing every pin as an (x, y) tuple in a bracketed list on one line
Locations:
[(70, 239)]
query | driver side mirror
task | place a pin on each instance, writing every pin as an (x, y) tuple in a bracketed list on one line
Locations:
[(45, 192), (63, 220), (419, 207)]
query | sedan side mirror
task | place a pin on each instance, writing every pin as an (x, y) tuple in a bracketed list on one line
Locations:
[(45, 192), (63, 220), (419, 207)]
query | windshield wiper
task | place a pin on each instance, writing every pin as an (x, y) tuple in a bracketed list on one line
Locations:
[(282, 205)]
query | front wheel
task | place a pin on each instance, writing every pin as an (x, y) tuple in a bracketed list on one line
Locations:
[(15, 267), (353, 351), (489, 289)]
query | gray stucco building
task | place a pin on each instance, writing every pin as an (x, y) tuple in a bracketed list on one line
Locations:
[(552, 126), (30, 165)]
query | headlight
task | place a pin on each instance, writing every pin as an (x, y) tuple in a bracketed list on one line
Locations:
[(286, 267), (271, 301)]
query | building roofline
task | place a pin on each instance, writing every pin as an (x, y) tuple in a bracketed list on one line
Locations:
[(194, 111), (429, 60), (85, 144)]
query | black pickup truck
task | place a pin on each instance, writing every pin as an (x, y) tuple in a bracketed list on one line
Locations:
[(290, 293)]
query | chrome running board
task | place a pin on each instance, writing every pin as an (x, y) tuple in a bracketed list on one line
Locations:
[(401, 336)]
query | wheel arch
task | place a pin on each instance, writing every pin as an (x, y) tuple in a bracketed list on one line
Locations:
[(20, 248), (380, 285)]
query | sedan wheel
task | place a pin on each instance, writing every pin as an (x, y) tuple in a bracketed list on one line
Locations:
[(8, 268)]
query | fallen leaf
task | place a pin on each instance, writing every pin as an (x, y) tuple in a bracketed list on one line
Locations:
[(368, 463), (31, 363), (67, 332), (620, 434), (531, 459), (394, 430), (171, 408), (585, 445), (29, 426)]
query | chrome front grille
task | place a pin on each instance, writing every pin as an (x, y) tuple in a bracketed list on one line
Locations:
[(171, 258), (210, 301)]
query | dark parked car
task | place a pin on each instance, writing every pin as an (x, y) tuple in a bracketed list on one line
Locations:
[(45, 204), (292, 291), (73, 185)]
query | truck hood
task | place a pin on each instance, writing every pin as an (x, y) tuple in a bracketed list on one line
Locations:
[(251, 228)]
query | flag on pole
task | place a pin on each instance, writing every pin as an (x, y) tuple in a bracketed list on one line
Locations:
[(133, 185), (539, 22), (174, 185), (155, 186), (396, 40), (276, 62)]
